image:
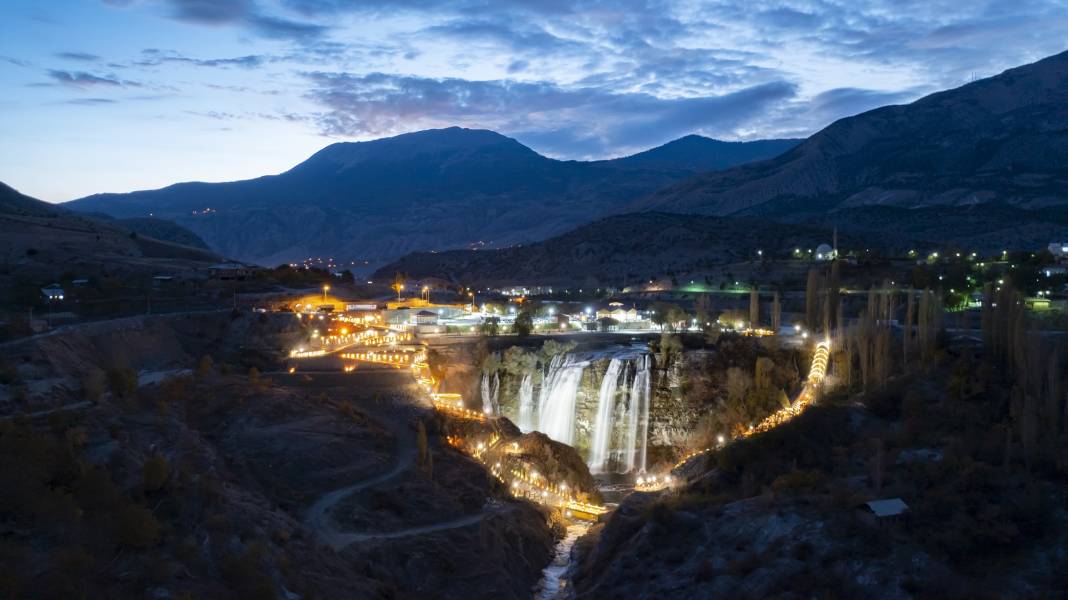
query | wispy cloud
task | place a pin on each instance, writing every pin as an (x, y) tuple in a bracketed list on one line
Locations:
[(244, 13), (90, 101), (81, 79), (569, 121), (154, 57), (78, 56)]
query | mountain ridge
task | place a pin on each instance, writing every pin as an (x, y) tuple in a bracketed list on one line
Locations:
[(1003, 137), (370, 202)]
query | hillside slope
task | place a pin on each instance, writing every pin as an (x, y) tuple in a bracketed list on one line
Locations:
[(1004, 138), (618, 249), (39, 241)]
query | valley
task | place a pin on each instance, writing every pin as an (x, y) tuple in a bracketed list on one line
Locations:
[(562, 301)]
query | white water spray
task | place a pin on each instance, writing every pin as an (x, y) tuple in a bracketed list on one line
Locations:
[(603, 423), (638, 416), (556, 400), (526, 403)]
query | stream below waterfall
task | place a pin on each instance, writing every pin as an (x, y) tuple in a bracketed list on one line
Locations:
[(553, 584)]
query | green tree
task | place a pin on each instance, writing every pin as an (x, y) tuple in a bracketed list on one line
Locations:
[(490, 326), (524, 323)]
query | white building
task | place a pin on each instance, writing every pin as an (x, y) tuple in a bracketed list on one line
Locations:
[(825, 252), (1059, 250)]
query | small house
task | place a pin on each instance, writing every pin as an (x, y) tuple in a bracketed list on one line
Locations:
[(53, 293), (888, 511)]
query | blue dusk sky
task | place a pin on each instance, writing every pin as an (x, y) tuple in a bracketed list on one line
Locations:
[(119, 95)]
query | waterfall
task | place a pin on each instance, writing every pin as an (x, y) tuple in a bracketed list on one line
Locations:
[(556, 400), (638, 415), (602, 426), (526, 403), (646, 397), (495, 394), (487, 401)]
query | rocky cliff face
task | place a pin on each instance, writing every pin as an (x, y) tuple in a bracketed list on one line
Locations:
[(688, 397)]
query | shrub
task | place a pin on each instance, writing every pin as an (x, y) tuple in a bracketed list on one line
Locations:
[(93, 386), (204, 366), (122, 381), (154, 473), (136, 527), (798, 481)]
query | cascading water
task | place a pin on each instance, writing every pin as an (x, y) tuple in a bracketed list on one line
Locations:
[(488, 404), (556, 400), (638, 416), (619, 427), (495, 394), (646, 396), (526, 403), (603, 423)]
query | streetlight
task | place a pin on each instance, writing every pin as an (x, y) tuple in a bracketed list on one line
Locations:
[(326, 289)]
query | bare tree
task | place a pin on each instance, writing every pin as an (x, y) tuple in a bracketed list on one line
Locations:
[(812, 294), (754, 308), (776, 313)]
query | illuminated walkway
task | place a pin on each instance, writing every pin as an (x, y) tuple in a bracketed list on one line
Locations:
[(816, 374)]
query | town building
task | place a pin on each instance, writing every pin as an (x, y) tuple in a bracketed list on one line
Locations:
[(52, 293)]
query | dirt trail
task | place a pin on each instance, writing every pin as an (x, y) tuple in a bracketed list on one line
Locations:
[(318, 516), (339, 541)]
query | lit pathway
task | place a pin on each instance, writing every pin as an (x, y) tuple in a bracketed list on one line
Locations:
[(816, 374)]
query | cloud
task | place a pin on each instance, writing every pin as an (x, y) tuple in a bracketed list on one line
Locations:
[(212, 12), (542, 113), (90, 101), (244, 13), (153, 57), (78, 56), (18, 62), (81, 79)]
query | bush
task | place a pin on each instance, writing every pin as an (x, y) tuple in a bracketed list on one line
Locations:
[(155, 473), (136, 527), (93, 386), (204, 366), (797, 482), (122, 381)]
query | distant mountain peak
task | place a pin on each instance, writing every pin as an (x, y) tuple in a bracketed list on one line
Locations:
[(449, 140), (699, 153)]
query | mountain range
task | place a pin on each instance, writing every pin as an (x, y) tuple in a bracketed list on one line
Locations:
[(1002, 139), (982, 166), (371, 202)]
